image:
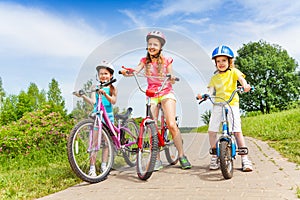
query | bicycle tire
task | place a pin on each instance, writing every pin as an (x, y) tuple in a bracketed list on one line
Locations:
[(79, 157), (147, 153), (171, 151), (130, 152), (226, 161)]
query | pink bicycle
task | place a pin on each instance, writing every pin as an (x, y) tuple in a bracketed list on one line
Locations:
[(97, 139)]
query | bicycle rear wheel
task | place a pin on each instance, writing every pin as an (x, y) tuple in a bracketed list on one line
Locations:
[(81, 149), (226, 161), (170, 149), (147, 151), (130, 152)]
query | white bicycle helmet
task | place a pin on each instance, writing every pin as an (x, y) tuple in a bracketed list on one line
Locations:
[(107, 65), (157, 34)]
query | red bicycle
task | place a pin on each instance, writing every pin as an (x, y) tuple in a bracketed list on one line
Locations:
[(153, 137)]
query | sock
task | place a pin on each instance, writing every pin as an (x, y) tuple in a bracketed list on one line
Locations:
[(92, 168), (244, 158), (103, 164)]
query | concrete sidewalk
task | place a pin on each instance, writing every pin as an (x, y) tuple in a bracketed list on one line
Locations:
[(273, 178)]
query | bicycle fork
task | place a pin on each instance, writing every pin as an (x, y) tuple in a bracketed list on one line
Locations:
[(229, 138)]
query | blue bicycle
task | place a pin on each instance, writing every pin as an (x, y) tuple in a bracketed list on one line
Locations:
[(226, 146)]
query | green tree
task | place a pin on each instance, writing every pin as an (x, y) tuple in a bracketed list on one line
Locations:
[(23, 104), (82, 108), (8, 111), (2, 94), (36, 98), (272, 72), (55, 99), (206, 117)]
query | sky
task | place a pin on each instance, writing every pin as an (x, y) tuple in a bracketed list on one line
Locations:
[(64, 40)]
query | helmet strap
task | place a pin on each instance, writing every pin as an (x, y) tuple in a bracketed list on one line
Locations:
[(156, 55)]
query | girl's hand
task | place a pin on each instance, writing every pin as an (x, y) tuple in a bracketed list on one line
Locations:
[(77, 94), (101, 91), (247, 88), (124, 72), (199, 96), (172, 79)]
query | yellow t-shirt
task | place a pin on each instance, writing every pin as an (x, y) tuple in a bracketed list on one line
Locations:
[(224, 84)]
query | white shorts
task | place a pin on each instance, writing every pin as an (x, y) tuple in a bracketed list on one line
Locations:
[(233, 119)]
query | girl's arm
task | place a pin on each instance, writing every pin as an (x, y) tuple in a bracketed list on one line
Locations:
[(137, 69), (170, 71), (244, 84), (91, 100), (88, 99)]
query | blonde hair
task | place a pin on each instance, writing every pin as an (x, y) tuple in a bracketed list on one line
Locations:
[(160, 64)]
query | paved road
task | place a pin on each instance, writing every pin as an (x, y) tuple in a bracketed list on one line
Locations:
[(273, 178)]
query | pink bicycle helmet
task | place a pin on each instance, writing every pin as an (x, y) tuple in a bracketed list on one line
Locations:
[(157, 34), (107, 65)]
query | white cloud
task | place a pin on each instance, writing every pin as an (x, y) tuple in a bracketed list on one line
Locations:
[(170, 7), (31, 31), (200, 21), (37, 45), (137, 22)]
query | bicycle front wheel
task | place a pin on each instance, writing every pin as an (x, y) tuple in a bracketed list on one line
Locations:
[(147, 151), (226, 161), (85, 147), (130, 142), (170, 149)]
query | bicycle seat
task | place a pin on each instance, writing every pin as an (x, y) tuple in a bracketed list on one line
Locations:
[(150, 93), (125, 116)]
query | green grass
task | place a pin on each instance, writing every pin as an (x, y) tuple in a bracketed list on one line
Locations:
[(35, 176), (280, 130)]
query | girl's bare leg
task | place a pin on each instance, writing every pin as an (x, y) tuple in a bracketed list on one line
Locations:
[(169, 108)]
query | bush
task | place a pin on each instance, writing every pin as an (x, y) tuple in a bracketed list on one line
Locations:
[(42, 129)]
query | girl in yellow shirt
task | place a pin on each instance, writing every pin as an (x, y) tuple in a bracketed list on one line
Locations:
[(222, 84)]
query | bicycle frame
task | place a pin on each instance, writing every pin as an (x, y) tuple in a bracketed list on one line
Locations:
[(149, 117), (226, 134), (102, 119)]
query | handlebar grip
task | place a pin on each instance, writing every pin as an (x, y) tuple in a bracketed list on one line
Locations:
[(108, 83), (169, 76), (81, 92)]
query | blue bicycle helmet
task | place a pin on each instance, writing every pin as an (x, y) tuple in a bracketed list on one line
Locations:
[(222, 51)]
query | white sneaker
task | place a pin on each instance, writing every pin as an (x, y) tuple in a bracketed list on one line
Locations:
[(103, 168), (247, 165), (92, 173), (214, 163), (158, 165)]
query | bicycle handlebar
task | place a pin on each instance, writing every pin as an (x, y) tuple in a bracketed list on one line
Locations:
[(102, 84), (130, 71), (207, 96)]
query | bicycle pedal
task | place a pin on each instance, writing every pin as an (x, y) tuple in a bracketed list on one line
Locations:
[(243, 151)]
